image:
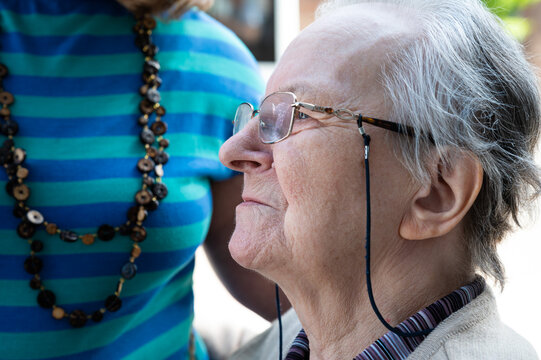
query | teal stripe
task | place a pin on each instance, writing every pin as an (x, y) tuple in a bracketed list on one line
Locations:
[(106, 65), (163, 240), (75, 291), (22, 346), (165, 344), (118, 190), (111, 105), (78, 24), (114, 147)]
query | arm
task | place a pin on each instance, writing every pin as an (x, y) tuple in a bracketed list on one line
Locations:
[(248, 287)]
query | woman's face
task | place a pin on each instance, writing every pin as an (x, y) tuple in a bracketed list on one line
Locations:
[(304, 197)]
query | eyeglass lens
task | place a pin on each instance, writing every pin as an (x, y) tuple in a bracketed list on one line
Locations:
[(242, 116), (275, 116)]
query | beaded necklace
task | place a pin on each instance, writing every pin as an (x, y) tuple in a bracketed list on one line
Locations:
[(147, 197)]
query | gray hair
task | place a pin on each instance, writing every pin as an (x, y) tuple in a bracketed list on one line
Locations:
[(466, 81)]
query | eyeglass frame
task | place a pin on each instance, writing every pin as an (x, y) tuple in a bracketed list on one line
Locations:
[(340, 113)]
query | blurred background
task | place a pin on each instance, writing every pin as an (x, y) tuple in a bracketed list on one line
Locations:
[(267, 26)]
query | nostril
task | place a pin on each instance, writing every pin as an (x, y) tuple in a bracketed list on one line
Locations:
[(244, 165)]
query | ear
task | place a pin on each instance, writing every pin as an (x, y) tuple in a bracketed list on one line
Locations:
[(439, 206)]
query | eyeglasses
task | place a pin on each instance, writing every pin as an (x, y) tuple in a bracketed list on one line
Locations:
[(279, 110)]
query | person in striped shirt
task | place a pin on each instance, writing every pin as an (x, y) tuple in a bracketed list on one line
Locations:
[(391, 154), (71, 286)]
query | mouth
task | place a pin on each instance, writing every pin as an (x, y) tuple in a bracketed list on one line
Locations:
[(251, 201)]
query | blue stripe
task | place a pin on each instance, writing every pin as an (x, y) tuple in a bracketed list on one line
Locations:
[(198, 124), (64, 7), (124, 84), (82, 170), (79, 266), (88, 215), (14, 318), (118, 44)]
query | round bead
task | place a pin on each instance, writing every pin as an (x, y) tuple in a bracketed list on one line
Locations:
[(147, 136), (106, 232), (135, 251), (21, 192), (97, 316), (3, 71), (145, 165), (22, 173), (159, 127), (19, 211), (155, 82), (19, 155), (161, 157), (149, 23), (153, 96), (151, 67), (58, 313), (11, 169), (35, 217), (77, 318), (5, 112), (152, 151), (143, 197), (35, 283), (51, 228), (36, 246), (26, 229), (46, 299), (69, 236), (151, 50), (113, 303), (142, 40), (138, 234), (159, 190), (88, 239), (8, 144), (143, 89), (9, 128), (10, 185), (148, 180), (160, 111), (33, 265), (129, 270), (153, 205), (146, 107), (164, 143), (6, 98)]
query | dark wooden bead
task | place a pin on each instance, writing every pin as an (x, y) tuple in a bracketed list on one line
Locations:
[(149, 23), (8, 144), (153, 96), (106, 232), (97, 316), (3, 71), (6, 157), (19, 155), (151, 67), (151, 50), (146, 107), (21, 192), (155, 82), (69, 236), (143, 197), (148, 180), (145, 165), (19, 211), (77, 318), (6, 98), (159, 190), (147, 136), (152, 151), (26, 229), (128, 271), (142, 40), (132, 213), (5, 112), (36, 246), (143, 120), (143, 89), (46, 299), (159, 127), (35, 283), (33, 265), (10, 185), (138, 234), (160, 111), (35, 217), (113, 303), (161, 157), (164, 143), (51, 228), (11, 169), (153, 205), (21, 172), (9, 128)]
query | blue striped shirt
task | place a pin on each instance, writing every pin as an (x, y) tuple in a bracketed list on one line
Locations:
[(75, 74)]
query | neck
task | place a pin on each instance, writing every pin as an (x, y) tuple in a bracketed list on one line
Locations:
[(334, 307)]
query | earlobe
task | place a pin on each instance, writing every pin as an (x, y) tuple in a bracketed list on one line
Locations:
[(440, 205)]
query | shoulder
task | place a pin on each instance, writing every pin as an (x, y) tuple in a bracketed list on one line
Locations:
[(475, 332)]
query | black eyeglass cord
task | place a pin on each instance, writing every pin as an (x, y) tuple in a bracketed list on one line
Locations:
[(279, 311), (395, 330)]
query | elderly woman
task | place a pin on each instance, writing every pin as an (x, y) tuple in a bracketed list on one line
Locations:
[(380, 232)]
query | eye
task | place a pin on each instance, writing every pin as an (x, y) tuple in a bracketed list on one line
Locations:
[(302, 116)]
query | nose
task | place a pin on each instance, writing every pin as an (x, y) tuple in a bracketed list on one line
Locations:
[(244, 152)]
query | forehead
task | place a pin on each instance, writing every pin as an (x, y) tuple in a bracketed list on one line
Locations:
[(339, 56)]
